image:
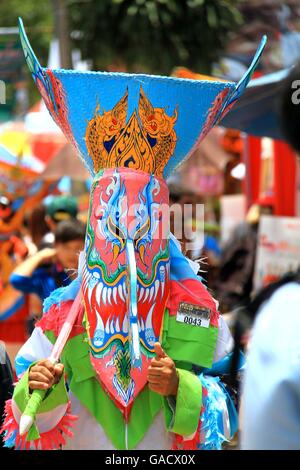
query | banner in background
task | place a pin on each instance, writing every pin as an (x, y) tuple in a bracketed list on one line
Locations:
[(278, 249), (233, 212)]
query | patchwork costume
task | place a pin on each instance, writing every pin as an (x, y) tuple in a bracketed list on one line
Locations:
[(136, 286)]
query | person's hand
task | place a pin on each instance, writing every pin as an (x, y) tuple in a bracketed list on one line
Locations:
[(162, 374), (46, 255), (44, 374)]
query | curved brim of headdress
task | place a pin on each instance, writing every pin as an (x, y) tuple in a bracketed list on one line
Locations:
[(153, 121)]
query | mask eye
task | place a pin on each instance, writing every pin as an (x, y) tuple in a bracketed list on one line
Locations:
[(141, 251), (118, 233), (139, 235), (116, 251)]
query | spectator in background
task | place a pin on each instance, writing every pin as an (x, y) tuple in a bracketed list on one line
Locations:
[(37, 225), (237, 262), (271, 400), (43, 219), (54, 267), (42, 224), (60, 208)]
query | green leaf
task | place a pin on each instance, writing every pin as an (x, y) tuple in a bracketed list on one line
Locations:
[(195, 3), (132, 10), (212, 17)]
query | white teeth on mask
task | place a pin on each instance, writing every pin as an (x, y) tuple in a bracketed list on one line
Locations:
[(142, 324), (142, 290), (100, 324), (99, 332), (109, 295), (104, 294), (90, 291), (152, 292), (146, 295), (149, 318), (107, 327), (120, 289), (156, 286), (117, 325), (112, 327), (115, 292), (125, 289), (98, 292), (162, 289), (162, 272), (125, 325)]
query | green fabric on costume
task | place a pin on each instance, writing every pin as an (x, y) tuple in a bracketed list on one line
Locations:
[(188, 405), (185, 344), (57, 395), (85, 386), (189, 343)]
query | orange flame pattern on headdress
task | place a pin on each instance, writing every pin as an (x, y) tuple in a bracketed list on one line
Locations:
[(145, 143)]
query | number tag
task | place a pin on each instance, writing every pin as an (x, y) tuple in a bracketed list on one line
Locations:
[(193, 315)]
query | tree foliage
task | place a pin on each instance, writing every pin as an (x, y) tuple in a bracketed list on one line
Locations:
[(142, 35), (38, 20), (137, 35), (153, 35)]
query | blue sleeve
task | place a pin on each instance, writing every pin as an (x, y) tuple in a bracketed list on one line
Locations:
[(211, 243), (26, 284)]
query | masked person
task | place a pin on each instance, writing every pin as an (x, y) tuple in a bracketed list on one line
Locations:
[(148, 333)]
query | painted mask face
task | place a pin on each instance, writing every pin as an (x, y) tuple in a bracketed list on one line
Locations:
[(125, 205)]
